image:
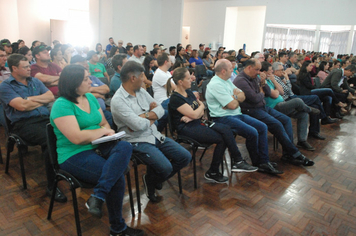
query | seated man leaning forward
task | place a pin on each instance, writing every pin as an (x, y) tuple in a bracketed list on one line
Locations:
[(223, 99), (278, 124), (135, 111)]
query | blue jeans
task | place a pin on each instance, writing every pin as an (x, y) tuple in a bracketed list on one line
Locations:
[(279, 125), (219, 134), (162, 123), (108, 117), (328, 97), (255, 133), (163, 160), (107, 171)]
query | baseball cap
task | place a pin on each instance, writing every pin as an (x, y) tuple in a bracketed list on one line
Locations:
[(207, 49), (201, 44), (39, 49), (162, 48), (5, 42)]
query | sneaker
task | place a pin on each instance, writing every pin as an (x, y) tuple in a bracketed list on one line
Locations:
[(243, 166), (216, 177), (269, 168), (94, 206), (128, 232)]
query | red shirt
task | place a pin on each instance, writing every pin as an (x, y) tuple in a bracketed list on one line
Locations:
[(52, 69)]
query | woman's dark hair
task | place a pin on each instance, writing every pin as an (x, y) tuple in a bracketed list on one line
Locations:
[(19, 41), (240, 51), (180, 48), (322, 66), (146, 64), (314, 58), (70, 79), (33, 44), (179, 45), (178, 74), (113, 50), (96, 47), (54, 52), (230, 52), (205, 54), (64, 47), (265, 65), (330, 65), (24, 50), (303, 71), (177, 64), (266, 56)]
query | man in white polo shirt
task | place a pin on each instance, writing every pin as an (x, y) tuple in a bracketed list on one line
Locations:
[(159, 82)]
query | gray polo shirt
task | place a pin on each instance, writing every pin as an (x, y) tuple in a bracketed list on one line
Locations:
[(126, 109)]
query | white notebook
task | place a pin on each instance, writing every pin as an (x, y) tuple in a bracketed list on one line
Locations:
[(109, 138)]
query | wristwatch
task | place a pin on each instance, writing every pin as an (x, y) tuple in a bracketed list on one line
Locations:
[(235, 96), (146, 115)]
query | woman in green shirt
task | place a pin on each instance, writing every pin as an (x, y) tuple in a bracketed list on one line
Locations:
[(78, 120)]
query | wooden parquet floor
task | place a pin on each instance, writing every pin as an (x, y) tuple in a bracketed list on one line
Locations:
[(318, 200)]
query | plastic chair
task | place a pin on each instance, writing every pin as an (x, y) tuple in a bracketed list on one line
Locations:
[(71, 180)]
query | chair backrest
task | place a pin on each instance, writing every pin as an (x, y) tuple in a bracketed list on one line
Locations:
[(203, 87), (170, 125), (8, 126), (52, 146), (317, 82), (200, 71)]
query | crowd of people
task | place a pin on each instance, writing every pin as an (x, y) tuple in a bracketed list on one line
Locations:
[(86, 94)]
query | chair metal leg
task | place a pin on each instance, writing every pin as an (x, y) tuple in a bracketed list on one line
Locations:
[(194, 167), (22, 166), (76, 211), (8, 152), (179, 182), (202, 155), (1, 161), (52, 199), (137, 188), (128, 179), (275, 143)]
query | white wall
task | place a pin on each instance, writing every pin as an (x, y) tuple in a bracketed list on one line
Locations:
[(210, 23)]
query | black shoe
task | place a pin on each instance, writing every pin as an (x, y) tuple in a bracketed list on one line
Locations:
[(306, 161), (316, 136), (305, 145), (268, 168), (314, 111), (242, 166), (150, 190), (217, 177), (292, 160), (94, 206), (59, 197), (128, 232), (327, 121), (274, 164), (339, 115)]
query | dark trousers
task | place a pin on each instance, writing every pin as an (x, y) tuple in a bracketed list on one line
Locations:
[(219, 134), (33, 131)]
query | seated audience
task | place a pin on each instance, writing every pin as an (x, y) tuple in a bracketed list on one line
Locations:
[(96, 68), (242, 57), (235, 72), (135, 112), (195, 60), (118, 62), (67, 51), (120, 44), (323, 71), (187, 112), (201, 50), (57, 58), (27, 53), (25, 100), (224, 99), (129, 51), (137, 54), (208, 60), (278, 124), (109, 46), (113, 51), (172, 55), (44, 69), (102, 55), (181, 56), (78, 120)]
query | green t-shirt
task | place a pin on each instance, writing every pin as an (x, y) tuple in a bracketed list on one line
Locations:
[(97, 70), (272, 102), (218, 94), (86, 121)]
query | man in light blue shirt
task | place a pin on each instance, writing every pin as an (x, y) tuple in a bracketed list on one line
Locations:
[(223, 99)]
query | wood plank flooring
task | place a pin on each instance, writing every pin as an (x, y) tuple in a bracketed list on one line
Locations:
[(318, 200)]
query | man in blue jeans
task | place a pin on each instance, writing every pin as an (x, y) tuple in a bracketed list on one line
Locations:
[(223, 99), (135, 111), (254, 105)]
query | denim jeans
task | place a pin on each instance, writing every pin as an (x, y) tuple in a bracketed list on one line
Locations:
[(328, 98), (163, 160), (297, 109), (279, 125), (313, 101), (162, 123), (219, 134), (255, 133), (107, 171)]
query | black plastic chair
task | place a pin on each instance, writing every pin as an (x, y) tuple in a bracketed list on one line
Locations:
[(187, 140), (200, 73), (71, 180), (12, 140)]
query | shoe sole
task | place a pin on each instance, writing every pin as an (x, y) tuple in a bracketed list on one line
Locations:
[(243, 170), (213, 180)]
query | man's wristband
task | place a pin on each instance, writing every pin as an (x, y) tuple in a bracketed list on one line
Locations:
[(147, 115)]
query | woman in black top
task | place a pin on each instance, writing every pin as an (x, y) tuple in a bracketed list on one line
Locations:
[(186, 111)]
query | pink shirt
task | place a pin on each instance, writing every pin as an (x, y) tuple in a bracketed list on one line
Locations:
[(52, 69), (322, 75)]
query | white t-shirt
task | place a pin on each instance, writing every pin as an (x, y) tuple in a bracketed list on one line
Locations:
[(159, 80), (172, 59)]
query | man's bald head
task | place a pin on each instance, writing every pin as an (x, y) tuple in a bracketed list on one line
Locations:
[(221, 64)]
